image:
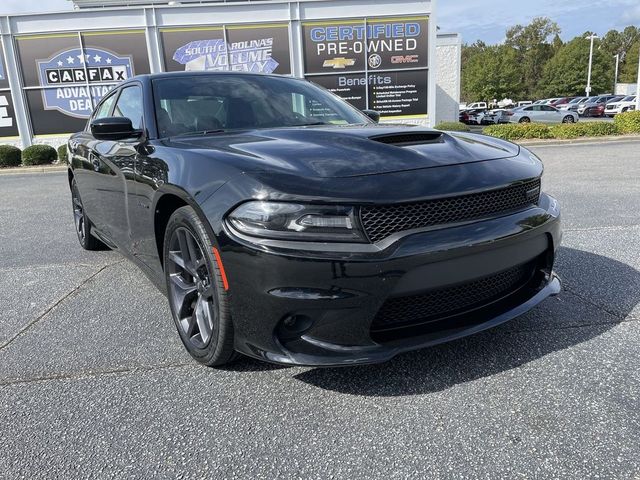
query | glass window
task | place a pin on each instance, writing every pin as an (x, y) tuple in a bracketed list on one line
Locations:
[(105, 107), (130, 105)]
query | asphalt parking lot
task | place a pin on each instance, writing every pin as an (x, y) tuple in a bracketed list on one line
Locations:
[(94, 382)]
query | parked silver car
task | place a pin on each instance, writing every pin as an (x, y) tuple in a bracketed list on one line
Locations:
[(541, 114)]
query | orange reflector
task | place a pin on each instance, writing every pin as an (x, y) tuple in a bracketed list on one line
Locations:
[(216, 253)]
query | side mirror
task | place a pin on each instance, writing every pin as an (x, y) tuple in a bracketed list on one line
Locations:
[(372, 114), (113, 128)]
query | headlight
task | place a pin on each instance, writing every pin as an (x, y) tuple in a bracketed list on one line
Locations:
[(293, 221)]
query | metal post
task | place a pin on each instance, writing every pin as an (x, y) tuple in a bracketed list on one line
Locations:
[(17, 94), (588, 89), (615, 78), (638, 88)]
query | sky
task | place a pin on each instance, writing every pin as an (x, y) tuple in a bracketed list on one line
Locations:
[(485, 20), (488, 20)]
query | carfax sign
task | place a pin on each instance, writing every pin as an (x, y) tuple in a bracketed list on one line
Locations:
[(375, 63), (69, 73), (81, 78)]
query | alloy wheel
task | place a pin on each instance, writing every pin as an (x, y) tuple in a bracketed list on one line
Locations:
[(78, 214), (190, 288)]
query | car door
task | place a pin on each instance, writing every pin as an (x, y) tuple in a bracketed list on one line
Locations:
[(86, 168), (536, 113), (550, 114), (114, 161)]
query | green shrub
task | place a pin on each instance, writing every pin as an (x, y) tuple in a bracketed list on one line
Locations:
[(10, 156), (628, 122), (518, 131), (62, 154), (453, 127), (39, 155), (584, 129)]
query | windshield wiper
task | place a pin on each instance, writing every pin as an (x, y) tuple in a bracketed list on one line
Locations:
[(310, 124), (199, 133)]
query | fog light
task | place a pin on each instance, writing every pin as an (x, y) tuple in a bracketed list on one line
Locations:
[(297, 323)]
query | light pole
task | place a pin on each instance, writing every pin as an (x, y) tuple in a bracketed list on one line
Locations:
[(638, 88), (615, 78), (591, 37)]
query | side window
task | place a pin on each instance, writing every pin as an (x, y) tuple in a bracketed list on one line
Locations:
[(104, 108), (130, 105)]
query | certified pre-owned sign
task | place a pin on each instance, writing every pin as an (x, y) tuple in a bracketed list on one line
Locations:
[(355, 45), (81, 78)]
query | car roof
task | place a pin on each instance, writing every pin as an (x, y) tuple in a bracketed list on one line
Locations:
[(148, 77)]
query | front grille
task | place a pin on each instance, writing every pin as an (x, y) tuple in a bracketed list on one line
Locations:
[(438, 303), (382, 221)]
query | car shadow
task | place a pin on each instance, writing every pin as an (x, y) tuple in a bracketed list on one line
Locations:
[(544, 330)]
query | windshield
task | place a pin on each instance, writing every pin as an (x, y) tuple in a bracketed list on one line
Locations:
[(576, 100), (629, 98), (207, 103)]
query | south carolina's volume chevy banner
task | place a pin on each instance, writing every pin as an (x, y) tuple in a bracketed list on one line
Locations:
[(386, 57), (254, 49)]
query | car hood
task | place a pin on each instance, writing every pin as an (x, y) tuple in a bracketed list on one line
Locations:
[(345, 151)]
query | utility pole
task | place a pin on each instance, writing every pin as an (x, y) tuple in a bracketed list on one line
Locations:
[(591, 37), (615, 78)]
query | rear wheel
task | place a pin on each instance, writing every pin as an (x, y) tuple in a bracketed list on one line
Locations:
[(525, 120), (82, 222), (197, 296), (568, 119)]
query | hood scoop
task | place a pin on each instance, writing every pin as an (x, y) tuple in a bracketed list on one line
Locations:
[(407, 139)]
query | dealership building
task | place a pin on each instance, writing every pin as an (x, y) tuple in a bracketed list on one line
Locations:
[(383, 55)]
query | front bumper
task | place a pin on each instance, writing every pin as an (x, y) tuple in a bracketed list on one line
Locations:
[(317, 308)]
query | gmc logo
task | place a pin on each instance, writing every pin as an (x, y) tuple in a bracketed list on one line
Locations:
[(404, 59)]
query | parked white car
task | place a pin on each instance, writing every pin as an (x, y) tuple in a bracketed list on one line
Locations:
[(477, 118), (496, 116), (475, 105), (573, 104), (541, 114), (620, 106)]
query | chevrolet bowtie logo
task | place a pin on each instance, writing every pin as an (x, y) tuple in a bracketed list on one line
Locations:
[(339, 62)]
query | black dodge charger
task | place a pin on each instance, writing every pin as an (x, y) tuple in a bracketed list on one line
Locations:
[(286, 225)]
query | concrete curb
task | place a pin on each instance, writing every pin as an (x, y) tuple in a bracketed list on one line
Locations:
[(28, 170), (578, 141)]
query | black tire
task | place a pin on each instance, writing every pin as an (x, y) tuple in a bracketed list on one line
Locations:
[(82, 222), (524, 120), (568, 119), (198, 300)]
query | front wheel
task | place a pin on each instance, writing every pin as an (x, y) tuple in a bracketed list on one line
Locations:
[(568, 119), (197, 295), (525, 120)]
